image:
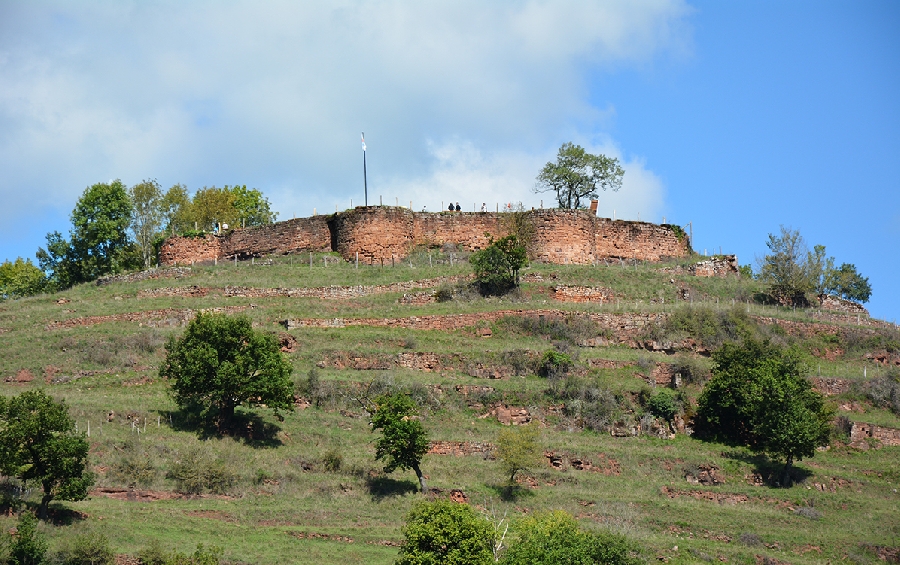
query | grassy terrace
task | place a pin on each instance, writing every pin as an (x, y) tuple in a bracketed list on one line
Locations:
[(280, 503)]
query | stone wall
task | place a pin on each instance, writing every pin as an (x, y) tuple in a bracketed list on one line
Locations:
[(837, 304), (382, 234), (860, 431)]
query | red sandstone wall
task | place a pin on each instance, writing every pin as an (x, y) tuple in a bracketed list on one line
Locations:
[(637, 240), (187, 250), (376, 233), (465, 229), (564, 236), (382, 233), (300, 234)]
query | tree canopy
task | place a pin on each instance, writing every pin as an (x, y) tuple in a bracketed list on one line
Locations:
[(759, 397), (220, 363), (403, 440), (518, 449), (793, 272), (38, 443), (20, 278), (443, 532), (147, 217), (497, 266), (577, 175)]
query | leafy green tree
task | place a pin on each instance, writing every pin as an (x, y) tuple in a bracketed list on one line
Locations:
[(577, 175), (847, 283), (212, 205), (445, 533), (38, 443), (99, 242), (146, 217), (28, 546), (252, 207), (403, 440), (175, 210), (497, 266), (554, 538), (790, 269), (662, 404), (20, 278), (759, 397), (221, 363), (518, 449)]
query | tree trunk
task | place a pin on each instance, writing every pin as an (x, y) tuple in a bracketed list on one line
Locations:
[(45, 502), (421, 477), (786, 479)]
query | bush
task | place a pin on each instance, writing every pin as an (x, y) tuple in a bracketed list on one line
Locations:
[(595, 408), (692, 370), (28, 546), (884, 391), (554, 364), (90, 549), (518, 360), (554, 538), (444, 532), (134, 467), (572, 329), (662, 405), (197, 472), (333, 460)]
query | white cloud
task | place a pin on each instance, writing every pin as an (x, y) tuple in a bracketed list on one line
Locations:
[(463, 97)]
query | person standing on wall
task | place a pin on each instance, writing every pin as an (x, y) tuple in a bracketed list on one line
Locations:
[(457, 207), (484, 206)]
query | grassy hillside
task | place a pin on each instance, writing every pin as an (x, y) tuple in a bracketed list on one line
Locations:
[(307, 490)]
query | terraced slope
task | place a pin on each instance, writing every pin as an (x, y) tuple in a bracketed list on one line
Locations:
[(307, 490)]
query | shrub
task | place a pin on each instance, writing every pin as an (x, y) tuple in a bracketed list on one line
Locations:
[(596, 408), (554, 538), (196, 472), (554, 364), (28, 546), (572, 329), (884, 391), (134, 467), (518, 360), (692, 370), (90, 549), (662, 404), (332, 460), (447, 533)]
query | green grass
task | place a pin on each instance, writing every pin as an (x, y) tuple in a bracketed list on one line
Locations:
[(283, 492)]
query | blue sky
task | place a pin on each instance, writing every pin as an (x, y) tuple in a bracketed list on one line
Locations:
[(735, 116)]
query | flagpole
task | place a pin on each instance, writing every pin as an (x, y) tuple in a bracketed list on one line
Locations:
[(365, 177)]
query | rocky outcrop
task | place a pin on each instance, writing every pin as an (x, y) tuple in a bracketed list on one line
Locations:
[(837, 304)]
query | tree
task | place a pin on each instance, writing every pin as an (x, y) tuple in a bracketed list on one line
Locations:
[(848, 284), (554, 538), (403, 440), (175, 210), (38, 443), (20, 278), (99, 242), (212, 205), (251, 206), (221, 363), (577, 175), (146, 217), (790, 269), (497, 266), (759, 397), (518, 449), (444, 532)]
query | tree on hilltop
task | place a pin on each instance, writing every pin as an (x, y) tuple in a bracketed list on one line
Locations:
[(577, 175)]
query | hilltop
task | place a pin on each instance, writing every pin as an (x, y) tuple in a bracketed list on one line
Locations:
[(308, 489)]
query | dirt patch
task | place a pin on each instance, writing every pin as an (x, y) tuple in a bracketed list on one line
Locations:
[(212, 515), (21, 377), (722, 497), (149, 495), (834, 484), (706, 474), (318, 536), (288, 343)]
